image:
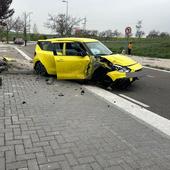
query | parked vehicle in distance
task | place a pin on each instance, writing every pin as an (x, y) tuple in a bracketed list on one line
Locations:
[(19, 41), (85, 59)]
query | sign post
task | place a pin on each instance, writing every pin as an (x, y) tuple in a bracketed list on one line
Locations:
[(128, 31)]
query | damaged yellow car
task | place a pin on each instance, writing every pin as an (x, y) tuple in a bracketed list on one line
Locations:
[(85, 59)]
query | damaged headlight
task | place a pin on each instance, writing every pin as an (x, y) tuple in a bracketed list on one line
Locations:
[(121, 68)]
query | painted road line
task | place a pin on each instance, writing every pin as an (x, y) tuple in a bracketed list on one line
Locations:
[(150, 76), (23, 54), (151, 118), (133, 100), (156, 69), (3, 51)]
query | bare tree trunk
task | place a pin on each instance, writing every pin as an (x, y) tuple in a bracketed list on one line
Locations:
[(7, 35), (25, 36)]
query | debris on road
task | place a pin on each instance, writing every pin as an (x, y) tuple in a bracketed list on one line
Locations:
[(82, 92), (12, 65), (61, 94), (49, 81), (24, 102), (3, 65)]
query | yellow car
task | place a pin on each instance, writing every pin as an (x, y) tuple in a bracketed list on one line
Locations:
[(84, 59)]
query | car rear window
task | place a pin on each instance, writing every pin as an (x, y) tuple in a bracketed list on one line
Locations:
[(45, 45), (58, 47)]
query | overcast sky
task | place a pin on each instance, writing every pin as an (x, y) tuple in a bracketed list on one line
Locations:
[(101, 14)]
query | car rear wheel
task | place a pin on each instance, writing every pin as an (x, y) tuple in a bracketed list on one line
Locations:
[(40, 69)]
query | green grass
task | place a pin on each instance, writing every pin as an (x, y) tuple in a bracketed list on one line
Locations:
[(156, 48)]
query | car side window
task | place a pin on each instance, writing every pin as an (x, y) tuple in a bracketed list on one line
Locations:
[(73, 48), (58, 47), (45, 45)]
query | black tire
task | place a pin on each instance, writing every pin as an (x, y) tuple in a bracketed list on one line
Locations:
[(106, 81), (40, 69), (122, 84)]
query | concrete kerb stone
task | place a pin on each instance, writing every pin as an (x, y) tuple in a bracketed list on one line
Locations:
[(158, 63)]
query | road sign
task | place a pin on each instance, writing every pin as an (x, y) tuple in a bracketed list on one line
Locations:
[(128, 31)]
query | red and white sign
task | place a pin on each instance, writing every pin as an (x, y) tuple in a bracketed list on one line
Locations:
[(128, 30)]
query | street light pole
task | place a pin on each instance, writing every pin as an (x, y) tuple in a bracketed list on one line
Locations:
[(66, 1)]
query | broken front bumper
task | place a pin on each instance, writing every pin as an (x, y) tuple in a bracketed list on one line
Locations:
[(114, 75), (138, 74)]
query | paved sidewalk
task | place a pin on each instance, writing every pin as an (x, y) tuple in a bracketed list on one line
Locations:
[(59, 127), (153, 62)]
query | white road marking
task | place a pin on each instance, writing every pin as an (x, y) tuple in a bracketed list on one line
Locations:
[(150, 76), (133, 100), (151, 118), (3, 51), (156, 69), (23, 54)]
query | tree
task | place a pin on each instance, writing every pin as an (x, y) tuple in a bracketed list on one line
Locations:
[(153, 34), (35, 29), (27, 25), (60, 25), (10, 23), (164, 35), (116, 33), (18, 27), (5, 12), (106, 34), (139, 32), (2, 32)]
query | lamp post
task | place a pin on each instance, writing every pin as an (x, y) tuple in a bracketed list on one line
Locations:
[(66, 1), (29, 14)]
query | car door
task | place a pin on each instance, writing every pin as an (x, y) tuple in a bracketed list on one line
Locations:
[(46, 56), (72, 65)]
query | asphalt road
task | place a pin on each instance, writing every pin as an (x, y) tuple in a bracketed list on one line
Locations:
[(152, 90)]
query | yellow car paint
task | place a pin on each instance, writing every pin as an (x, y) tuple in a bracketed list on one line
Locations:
[(119, 59), (72, 67), (79, 67), (116, 75)]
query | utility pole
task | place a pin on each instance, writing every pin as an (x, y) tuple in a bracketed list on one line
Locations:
[(84, 24), (66, 1)]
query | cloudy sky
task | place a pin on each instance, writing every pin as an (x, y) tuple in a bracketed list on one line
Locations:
[(101, 14)]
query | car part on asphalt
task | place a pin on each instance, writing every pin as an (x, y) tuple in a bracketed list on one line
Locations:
[(61, 95), (3, 66)]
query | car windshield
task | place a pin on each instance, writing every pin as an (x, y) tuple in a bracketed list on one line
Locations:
[(98, 49)]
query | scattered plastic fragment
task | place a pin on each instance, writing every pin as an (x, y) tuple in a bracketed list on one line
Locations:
[(82, 92), (24, 102), (61, 94)]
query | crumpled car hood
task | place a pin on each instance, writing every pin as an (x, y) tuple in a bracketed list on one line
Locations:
[(119, 59)]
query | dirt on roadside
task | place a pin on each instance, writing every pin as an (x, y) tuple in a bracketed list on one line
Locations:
[(15, 66)]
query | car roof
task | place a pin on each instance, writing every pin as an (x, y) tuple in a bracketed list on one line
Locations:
[(71, 39)]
